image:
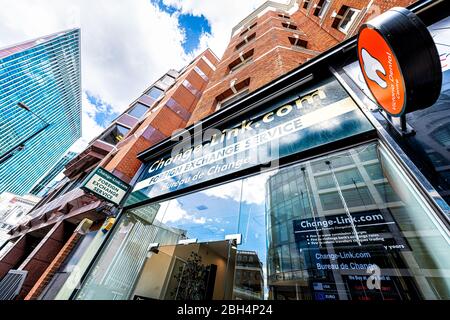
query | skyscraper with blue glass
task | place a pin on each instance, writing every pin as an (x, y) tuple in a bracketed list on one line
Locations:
[(40, 107)]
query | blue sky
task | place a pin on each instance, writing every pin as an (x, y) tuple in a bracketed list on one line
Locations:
[(193, 26)]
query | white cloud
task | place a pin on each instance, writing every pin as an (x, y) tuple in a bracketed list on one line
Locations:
[(222, 15), (174, 212), (253, 189)]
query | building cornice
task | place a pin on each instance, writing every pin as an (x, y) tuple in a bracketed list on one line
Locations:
[(262, 8)]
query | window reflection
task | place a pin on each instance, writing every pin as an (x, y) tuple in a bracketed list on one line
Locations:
[(138, 110), (115, 134), (349, 226)]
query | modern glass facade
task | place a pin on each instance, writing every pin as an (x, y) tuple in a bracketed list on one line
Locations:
[(349, 224), (44, 75), (324, 229), (43, 185)]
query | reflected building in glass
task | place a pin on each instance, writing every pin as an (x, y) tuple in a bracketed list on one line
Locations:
[(333, 222), (249, 276), (40, 107), (45, 184)]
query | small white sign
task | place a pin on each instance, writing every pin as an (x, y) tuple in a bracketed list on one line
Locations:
[(107, 186)]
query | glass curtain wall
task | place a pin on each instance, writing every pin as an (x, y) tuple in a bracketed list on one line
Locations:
[(347, 226)]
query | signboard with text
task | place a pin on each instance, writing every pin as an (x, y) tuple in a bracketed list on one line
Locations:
[(399, 62), (321, 114), (105, 185)]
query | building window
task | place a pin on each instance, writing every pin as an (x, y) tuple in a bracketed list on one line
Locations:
[(289, 25), (168, 80), (345, 19), (321, 8), (115, 134), (442, 136), (201, 73), (138, 110), (230, 100), (191, 88), (248, 29), (241, 61), (306, 4), (246, 41), (297, 42), (284, 16), (155, 93)]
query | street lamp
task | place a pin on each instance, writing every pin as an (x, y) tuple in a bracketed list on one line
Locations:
[(21, 145), (25, 107)]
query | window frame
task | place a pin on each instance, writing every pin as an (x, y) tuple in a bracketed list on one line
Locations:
[(350, 22), (229, 100), (323, 8), (133, 107), (147, 92)]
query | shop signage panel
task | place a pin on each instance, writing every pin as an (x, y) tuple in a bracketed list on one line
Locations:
[(374, 228), (106, 186), (319, 115), (331, 246), (400, 62)]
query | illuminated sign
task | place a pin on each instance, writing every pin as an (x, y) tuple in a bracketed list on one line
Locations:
[(399, 62)]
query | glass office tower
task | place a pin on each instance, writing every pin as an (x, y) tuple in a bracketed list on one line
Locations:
[(42, 187), (40, 107)]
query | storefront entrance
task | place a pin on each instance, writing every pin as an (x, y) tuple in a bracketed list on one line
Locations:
[(349, 225), (197, 271)]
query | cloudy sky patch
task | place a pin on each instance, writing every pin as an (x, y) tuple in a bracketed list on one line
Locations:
[(126, 45)]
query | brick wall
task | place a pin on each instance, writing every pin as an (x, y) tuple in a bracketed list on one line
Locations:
[(274, 55), (172, 113), (48, 274)]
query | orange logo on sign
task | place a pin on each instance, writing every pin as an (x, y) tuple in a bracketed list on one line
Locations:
[(381, 71)]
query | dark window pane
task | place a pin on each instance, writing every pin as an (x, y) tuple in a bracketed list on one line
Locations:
[(115, 134)]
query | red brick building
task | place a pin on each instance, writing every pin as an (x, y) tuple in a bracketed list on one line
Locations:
[(276, 38), (271, 41)]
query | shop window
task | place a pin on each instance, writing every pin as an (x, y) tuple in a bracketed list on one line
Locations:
[(321, 8), (345, 232), (345, 18), (246, 40), (155, 93), (297, 42), (115, 134), (289, 25), (442, 135), (248, 29), (138, 110), (241, 61)]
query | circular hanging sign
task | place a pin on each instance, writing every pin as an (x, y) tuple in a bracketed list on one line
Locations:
[(399, 62)]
